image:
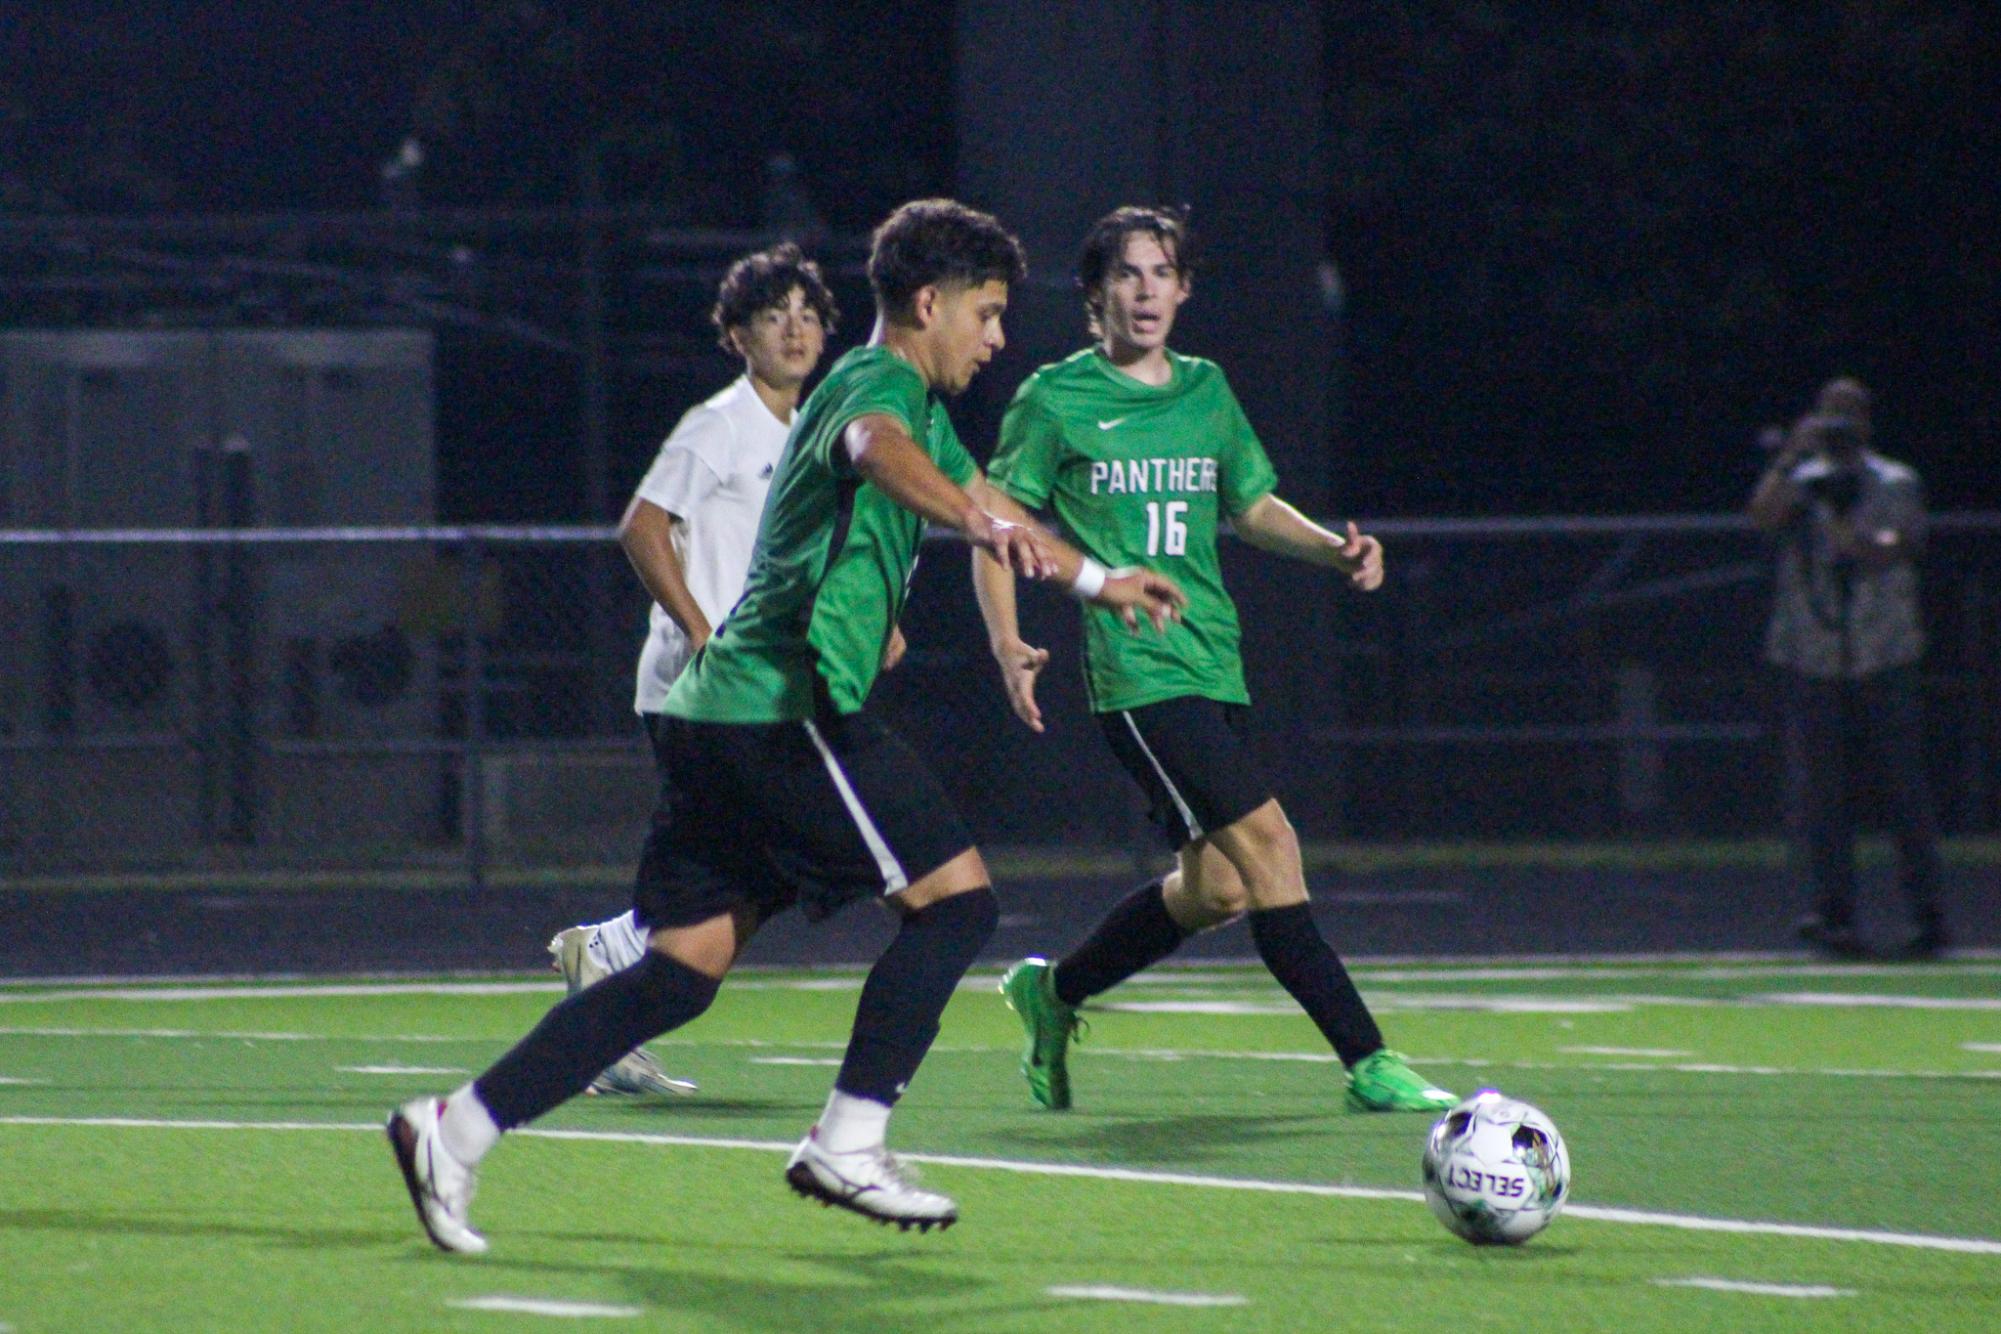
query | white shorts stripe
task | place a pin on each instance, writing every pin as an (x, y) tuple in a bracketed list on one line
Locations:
[(893, 878), (1187, 816)]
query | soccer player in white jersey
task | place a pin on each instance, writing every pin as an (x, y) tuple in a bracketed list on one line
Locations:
[(689, 532)]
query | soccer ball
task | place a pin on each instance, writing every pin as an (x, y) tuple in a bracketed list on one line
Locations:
[(1495, 1170)]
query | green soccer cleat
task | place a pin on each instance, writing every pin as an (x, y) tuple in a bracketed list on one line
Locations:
[(1383, 1082), (1050, 1026)]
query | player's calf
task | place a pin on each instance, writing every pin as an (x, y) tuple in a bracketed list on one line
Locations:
[(581, 955)]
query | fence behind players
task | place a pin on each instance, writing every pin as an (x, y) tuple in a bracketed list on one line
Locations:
[(455, 701)]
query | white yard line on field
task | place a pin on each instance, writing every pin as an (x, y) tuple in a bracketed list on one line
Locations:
[(15, 991), (1381, 1000), (1494, 1063), (154, 994), (1845, 998), (547, 1306), (1105, 1292), (201, 1034), (196, 1033), (1713, 965), (1125, 1053), (1597, 1213), (795, 1060), (1585, 967), (1395, 1002), (1756, 1289), (1229, 1007)]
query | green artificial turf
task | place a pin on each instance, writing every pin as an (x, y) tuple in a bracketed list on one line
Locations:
[(210, 1158)]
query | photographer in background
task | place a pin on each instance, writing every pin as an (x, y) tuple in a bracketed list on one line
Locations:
[(1845, 634)]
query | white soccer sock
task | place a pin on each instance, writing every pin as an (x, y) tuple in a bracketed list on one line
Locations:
[(850, 1124), (466, 1127), (624, 944)]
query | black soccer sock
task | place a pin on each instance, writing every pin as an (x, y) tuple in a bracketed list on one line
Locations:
[(1290, 943), (1136, 934), (907, 990), (587, 1032)]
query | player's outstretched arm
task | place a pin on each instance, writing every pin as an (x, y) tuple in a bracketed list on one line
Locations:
[(1270, 524), (1020, 663), (887, 458), (1134, 593), (1131, 592), (646, 534)]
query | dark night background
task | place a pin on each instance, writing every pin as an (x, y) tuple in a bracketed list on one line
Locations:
[(1580, 254), (1591, 247)]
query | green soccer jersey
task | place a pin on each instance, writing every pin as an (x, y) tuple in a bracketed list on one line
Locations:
[(1142, 475), (832, 563)]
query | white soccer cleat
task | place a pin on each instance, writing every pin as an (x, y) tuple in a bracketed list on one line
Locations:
[(871, 1182), (571, 951), (440, 1185), (636, 1072)]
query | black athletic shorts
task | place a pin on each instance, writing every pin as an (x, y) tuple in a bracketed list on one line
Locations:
[(772, 814), (1192, 759)]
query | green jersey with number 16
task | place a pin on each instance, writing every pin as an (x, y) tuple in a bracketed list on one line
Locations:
[(1140, 474)]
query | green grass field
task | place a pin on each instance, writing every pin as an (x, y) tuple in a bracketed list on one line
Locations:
[(1756, 1145)]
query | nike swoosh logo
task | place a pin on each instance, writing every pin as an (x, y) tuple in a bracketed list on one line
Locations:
[(1106, 426)]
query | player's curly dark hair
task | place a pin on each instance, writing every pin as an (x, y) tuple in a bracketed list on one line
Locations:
[(940, 241), (763, 279), (1105, 243)]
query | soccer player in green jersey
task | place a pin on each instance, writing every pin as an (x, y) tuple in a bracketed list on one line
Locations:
[(780, 788), (1141, 454)]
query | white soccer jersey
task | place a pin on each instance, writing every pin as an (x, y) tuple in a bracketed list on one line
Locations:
[(712, 473)]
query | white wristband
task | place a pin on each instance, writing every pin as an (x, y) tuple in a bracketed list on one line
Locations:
[(1090, 580)]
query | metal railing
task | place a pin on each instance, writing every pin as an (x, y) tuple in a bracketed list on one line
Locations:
[(441, 699)]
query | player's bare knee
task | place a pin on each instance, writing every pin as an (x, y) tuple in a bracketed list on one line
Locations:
[(1264, 850), (1261, 836), (961, 875), (707, 947), (1266, 831), (1194, 915), (1210, 898), (1220, 902)]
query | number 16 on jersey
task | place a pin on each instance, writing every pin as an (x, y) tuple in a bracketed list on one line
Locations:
[(1166, 522)]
